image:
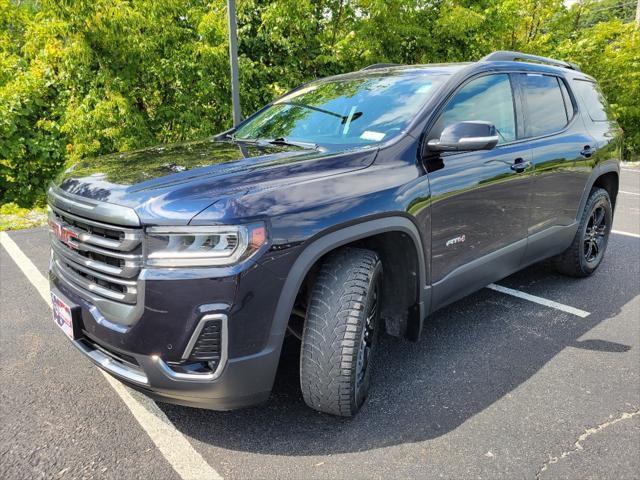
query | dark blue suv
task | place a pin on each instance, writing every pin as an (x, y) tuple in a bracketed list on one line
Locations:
[(350, 206)]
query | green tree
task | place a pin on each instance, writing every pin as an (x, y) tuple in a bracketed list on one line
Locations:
[(610, 52), (83, 78)]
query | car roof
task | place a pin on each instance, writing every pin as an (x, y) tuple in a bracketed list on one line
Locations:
[(396, 70), (452, 68), (453, 71)]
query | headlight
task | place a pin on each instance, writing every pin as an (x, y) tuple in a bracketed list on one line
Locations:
[(202, 246)]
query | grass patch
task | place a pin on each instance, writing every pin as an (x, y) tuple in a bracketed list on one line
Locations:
[(13, 217)]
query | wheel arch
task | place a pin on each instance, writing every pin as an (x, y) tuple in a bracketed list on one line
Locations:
[(605, 176), (610, 182), (378, 235)]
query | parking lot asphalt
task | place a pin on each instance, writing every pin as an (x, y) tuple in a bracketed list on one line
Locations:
[(498, 387)]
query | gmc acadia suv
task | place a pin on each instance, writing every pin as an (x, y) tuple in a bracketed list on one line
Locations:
[(352, 205)]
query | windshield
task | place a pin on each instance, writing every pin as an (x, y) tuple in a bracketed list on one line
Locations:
[(361, 110)]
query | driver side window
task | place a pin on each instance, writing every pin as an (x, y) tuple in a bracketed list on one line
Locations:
[(488, 98)]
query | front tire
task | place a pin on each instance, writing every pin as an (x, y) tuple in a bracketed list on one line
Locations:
[(341, 332), (586, 252)]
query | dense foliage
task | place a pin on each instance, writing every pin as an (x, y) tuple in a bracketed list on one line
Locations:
[(86, 77)]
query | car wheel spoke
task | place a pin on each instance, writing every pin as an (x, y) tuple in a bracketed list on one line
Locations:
[(588, 252), (598, 216)]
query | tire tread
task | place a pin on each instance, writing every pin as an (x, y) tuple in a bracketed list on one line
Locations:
[(570, 261), (334, 321)]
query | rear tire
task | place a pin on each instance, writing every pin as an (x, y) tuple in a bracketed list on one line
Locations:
[(586, 252), (341, 332)]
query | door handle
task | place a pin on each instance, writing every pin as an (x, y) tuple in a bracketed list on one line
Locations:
[(519, 165), (587, 151)]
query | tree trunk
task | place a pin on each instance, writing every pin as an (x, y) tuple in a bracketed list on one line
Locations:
[(336, 22)]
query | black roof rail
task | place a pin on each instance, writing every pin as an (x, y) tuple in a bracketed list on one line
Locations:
[(379, 65), (507, 56)]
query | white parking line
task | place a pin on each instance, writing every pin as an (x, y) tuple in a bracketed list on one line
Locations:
[(634, 170), (539, 300), (173, 445), (629, 193), (626, 234)]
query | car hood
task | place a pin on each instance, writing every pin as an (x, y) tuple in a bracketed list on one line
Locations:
[(170, 184)]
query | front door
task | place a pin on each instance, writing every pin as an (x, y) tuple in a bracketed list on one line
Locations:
[(480, 200)]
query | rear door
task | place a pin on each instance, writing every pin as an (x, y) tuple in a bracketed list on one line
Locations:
[(599, 121), (480, 200), (562, 151)]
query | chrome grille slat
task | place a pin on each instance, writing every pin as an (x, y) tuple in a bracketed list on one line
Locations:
[(127, 257), (129, 238), (129, 268), (115, 315), (126, 284), (124, 245), (96, 258), (129, 265), (70, 276)]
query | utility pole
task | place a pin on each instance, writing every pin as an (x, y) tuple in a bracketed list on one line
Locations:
[(233, 53), (638, 14)]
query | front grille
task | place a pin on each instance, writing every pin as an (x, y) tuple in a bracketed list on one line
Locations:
[(103, 231), (98, 258), (208, 346)]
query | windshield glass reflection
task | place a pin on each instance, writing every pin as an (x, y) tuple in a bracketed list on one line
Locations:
[(352, 110)]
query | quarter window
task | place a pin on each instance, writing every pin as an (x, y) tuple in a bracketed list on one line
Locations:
[(488, 98), (593, 99), (546, 112)]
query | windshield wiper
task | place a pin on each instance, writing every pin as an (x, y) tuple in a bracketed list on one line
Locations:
[(275, 141), (252, 141), (343, 118), (284, 141)]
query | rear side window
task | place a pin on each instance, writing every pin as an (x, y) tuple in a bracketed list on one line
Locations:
[(593, 100), (546, 111)]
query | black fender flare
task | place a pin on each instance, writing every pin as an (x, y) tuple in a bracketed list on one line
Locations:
[(599, 170), (323, 244)]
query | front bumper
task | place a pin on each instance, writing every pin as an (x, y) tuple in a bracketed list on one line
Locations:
[(242, 382), (145, 355)]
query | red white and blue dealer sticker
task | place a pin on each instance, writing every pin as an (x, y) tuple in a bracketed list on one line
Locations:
[(62, 315)]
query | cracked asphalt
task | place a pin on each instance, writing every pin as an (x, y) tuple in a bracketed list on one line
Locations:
[(498, 387)]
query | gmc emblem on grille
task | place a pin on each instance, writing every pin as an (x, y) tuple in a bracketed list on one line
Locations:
[(63, 234)]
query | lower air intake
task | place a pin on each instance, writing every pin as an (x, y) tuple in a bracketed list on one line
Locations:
[(208, 346)]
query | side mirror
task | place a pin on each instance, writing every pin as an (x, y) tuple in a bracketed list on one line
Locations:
[(465, 136)]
